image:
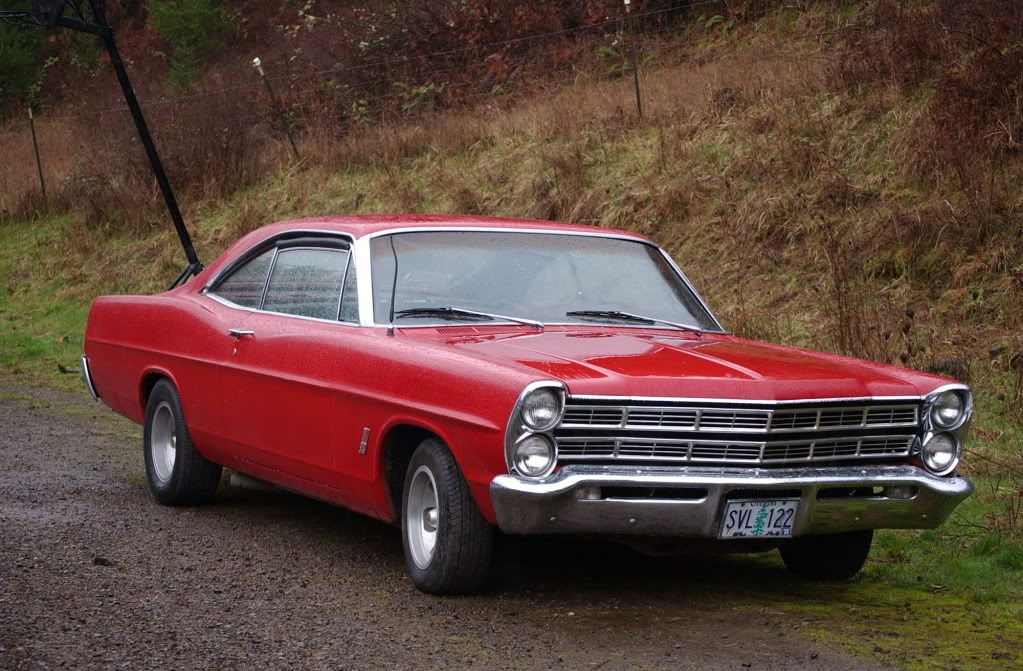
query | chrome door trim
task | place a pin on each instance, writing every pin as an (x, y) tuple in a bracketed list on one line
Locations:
[(364, 277)]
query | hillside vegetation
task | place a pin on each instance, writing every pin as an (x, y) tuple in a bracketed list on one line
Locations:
[(844, 176)]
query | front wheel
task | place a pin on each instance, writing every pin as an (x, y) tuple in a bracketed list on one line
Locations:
[(448, 544), (828, 556), (178, 475)]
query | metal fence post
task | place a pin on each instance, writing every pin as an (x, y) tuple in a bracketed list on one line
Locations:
[(39, 162), (632, 54), (258, 64)]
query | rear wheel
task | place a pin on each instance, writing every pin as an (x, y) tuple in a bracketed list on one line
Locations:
[(178, 474), (448, 544), (828, 556)]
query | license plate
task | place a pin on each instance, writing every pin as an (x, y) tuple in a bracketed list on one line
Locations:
[(759, 519)]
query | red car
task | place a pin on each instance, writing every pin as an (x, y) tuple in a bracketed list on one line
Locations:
[(462, 375)]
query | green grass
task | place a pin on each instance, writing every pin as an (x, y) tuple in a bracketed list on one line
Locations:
[(40, 325), (921, 626)]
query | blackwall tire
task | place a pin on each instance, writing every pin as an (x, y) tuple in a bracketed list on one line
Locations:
[(828, 556), (448, 545), (178, 475)]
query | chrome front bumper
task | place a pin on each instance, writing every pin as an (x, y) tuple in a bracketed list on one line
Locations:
[(690, 502)]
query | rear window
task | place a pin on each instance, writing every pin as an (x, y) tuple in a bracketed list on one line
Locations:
[(307, 282), (245, 286)]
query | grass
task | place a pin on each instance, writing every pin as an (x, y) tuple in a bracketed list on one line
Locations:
[(918, 626), (787, 201)]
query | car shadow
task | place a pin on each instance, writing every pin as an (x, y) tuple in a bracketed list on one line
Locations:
[(556, 568)]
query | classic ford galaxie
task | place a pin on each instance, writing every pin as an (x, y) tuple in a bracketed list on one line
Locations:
[(463, 375)]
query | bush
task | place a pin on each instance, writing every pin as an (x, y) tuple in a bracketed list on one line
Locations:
[(193, 28), (20, 50)]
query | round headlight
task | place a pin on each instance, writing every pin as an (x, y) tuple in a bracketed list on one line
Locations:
[(541, 409), (947, 409), (941, 453), (534, 456)]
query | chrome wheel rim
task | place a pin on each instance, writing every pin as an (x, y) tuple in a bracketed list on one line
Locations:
[(163, 442), (422, 517)]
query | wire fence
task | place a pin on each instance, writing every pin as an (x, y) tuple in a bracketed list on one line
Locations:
[(74, 150)]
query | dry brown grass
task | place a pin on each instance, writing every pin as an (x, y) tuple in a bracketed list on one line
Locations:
[(19, 184)]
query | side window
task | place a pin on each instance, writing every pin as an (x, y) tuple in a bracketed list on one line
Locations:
[(244, 286), (307, 282), (350, 295)]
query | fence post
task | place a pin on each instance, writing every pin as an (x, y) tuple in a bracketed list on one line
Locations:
[(39, 162), (632, 54), (258, 64)]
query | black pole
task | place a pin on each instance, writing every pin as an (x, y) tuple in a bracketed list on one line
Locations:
[(103, 30), (147, 141), (258, 64), (632, 53), (52, 15), (39, 162)]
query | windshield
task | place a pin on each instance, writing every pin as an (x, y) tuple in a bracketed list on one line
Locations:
[(550, 278)]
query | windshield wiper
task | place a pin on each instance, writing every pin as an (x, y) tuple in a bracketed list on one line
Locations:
[(618, 315), (462, 314)]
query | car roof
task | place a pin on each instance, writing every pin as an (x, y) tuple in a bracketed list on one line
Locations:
[(362, 225)]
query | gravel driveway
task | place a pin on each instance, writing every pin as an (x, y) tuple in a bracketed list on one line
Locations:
[(94, 574)]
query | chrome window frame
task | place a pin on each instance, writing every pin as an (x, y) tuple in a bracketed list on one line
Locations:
[(360, 249), (272, 242), (369, 318)]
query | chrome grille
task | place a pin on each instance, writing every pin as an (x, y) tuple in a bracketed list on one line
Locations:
[(743, 434), (761, 420), (594, 416), (586, 449)]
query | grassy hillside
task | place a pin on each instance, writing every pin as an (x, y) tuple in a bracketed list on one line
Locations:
[(815, 190)]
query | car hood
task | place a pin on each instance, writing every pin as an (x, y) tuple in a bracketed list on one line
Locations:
[(654, 363)]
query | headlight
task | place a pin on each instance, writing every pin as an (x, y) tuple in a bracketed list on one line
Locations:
[(947, 409), (541, 409), (534, 455), (941, 453)]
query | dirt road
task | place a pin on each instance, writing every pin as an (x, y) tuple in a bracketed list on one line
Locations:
[(94, 574)]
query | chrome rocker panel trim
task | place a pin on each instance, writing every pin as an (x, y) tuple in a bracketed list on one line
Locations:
[(551, 505)]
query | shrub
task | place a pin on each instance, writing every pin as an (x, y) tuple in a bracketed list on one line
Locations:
[(193, 28), (20, 50)]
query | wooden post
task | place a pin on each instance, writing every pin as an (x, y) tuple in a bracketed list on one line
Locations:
[(39, 162), (258, 64), (632, 53)]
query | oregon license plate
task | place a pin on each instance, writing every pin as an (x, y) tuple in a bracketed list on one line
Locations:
[(767, 518)]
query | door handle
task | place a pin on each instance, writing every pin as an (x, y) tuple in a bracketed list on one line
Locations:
[(239, 333)]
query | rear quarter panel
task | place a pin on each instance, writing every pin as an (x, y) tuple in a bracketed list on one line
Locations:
[(128, 338)]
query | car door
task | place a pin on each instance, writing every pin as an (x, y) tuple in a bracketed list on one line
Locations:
[(232, 300), (290, 372)]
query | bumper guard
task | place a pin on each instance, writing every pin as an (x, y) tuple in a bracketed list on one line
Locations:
[(690, 501)]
